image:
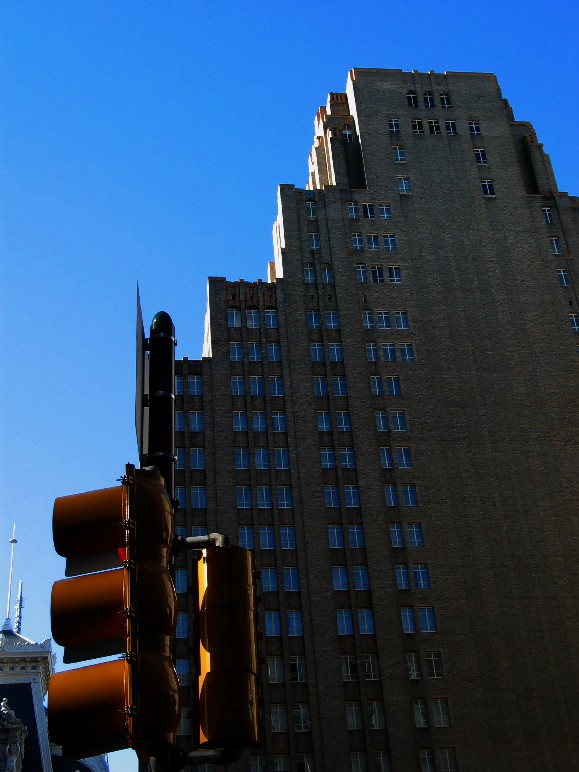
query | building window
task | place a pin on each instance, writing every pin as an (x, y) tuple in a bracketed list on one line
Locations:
[(450, 127), (291, 580), (351, 496), (252, 318), (288, 537), (311, 210), (480, 156), (409, 495), (474, 128), (182, 630), (555, 245), (197, 458), (421, 576), (272, 624), (273, 352), (180, 496), (426, 756), (314, 241), (413, 665), (401, 320), (440, 712), (179, 421), (276, 386), (381, 419), (243, 497), (357, 241), (361, 580), (339, 578), (415, 536), (396, 535), (339, 386), (391, 495), (488, 187), (377, 273), (389, 242), (301, 718), (178, 385), (547, 215), (428, 99), (278, 717), (281, 458), (335, 537), (407, 614), (347, 133), (375, 715), (327, 274), (233, 317), (284, 497), (427, 619), (180, 456), (275, 672), (198, 530), (245, 536), (182, 668), (324, 421), (376, 386), (386, 458), (328, 458), (448, 761), (398, 418), (264, 499), (269, 579), (256, 385), (317, 352), (259, 421), (398, 154), (402, 578), (314, 319), (384, 322), (353, 210), (353, 715), (271, 319), (297, 669), (445, 101), (434, 127), (294, 624), (344, 621), (254, 352), (366, 621), (320, 386), (361, 273), (235, 352), (336, 352), (278, 421), (574, 322), (385, 211), (434, 664), (404, 458), (411, 99), (564, 281), (349, 667), (196, 421), (420, 714), (368, 211), (367, 320), (406, 352), (343, 421), (394, 274), (394, 126), (195, 385), (309, 274), (372, 352), (417, 127), (331, 496), (237, 385), (356, 536), (371, 669), (180, 580), (304, 763), (393, 387), (332, 319)]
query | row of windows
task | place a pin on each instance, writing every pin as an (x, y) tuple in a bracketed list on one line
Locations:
[(343, 423), (408, 495), (340, 578), (252, 318), (369, 211), (428, 97), (378, 275), (276, 387), (438, 709), (284, 498), (426, 619), (355, 535), (331, 320), (433, 661), (287, 537), (384, 320), (301, 718), (388, 350), (254, 352), (194, 385), (327, 274), (261, 458), (346, 456), (373, 241), (291, 580), (345, 624), (446, 756), (397, 421), (294, 625), (335, 352), (418, 571), (303, 763), (259, 421)]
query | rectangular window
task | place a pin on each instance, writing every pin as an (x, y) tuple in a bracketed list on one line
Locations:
[(413, 665), (237, 385), (278, 422), (426, 756), (332, 320), (371, 669), (440, 712), (409, 495), (376, 386), (367, 320), (366, 621), (233, 317), (179, 421), (480, 156), (420, 714), (377, 274), (391, 495), (361, 581), (398, 418), (317, 352), (488, 187), (415, 537), (271, 319), (198, 497), (351, 496), (252, 318), (398, 154), (324, 423), (320, 386), (353, 210), (356, 536), (335, 537), (555, 246), (241, 458), (314, 241), (339, 578), (180, 580), (281, 458), (394, 274), (406, 352), (404, 458), (357, 241), (198, 530), (297, 669), (339, 386), (574, 322), (347, 458), (294, 624), (389, 241), (327, 274), (291, 579), (272, 624), (389, 352), (547, 215), (381, 418), (393, 125), (331, 496), (417, 127), (273, 352), (178, 385), (372, 352), (259, 421), (564, 281), (393, 386), (372, 241), (344, 621), (336, 352), (284, 497), (276, 386), (243, 497), (275, 672), (407, 614), (266, 537), (261, 458), (264, 498), (474, 128), (278, 717), (429, 99), (421, 576), (401, 320), (343, 421), (427, 619), (314, 319), (353, 715), (368, 211), (375, 715), (448, 761), (254, 352), (195, 385), (386, 461), (235, 352), (434, 664), (182, 630), (245, 536), (434, 127), (288, 537), (349, 667), (311, 212), (309, 274), (180, 496), (445, 100), (361, 273), (182, 668), (269, 579), (402, 578), (256, 385), (328, 458), (384, 211), (180, 454), (450, 127)]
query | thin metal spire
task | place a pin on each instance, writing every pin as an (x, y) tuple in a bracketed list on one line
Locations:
[(18, 610), (12, 542)]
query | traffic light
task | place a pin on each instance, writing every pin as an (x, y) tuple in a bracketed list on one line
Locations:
[(129, 609), (226, 631)]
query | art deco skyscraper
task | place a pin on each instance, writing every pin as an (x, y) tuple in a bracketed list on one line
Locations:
[(390, 422)]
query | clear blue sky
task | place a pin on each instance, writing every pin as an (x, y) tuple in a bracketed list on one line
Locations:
[(144, 141)]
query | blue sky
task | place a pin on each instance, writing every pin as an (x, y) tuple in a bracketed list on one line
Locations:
[(144, 141)]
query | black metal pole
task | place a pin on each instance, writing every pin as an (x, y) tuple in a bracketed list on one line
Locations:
[(161, 448)]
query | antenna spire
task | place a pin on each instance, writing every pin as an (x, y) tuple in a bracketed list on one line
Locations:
[(18, 610), (12, 542)]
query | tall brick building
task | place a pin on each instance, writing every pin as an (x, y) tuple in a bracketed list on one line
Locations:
[(390, 422)]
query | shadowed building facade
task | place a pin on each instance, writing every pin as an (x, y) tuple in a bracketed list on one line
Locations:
[(390, 423)]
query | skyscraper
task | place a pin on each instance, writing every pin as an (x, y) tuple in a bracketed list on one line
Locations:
[(390, 423)]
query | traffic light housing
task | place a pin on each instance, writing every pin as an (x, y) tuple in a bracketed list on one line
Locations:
[(226, 631), (129, 609)]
